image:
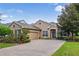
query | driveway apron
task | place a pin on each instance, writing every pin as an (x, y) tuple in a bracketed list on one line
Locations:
[(34, 48)]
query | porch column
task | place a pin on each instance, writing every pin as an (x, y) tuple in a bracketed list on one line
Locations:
[(49, 36), (56, 33)]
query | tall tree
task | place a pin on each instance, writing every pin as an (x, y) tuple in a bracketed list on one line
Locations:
[(69, 19)]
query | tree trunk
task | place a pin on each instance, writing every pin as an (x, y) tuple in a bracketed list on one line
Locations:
[(72, 36), (68, 34)]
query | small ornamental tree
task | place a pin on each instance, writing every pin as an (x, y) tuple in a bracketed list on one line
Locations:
[(4, 30), (24, 36)]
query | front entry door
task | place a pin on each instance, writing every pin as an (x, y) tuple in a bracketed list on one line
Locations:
[(53, 33)]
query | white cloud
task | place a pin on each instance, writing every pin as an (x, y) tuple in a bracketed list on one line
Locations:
[(19, 11), (6, 16), (11, 16), (55, 3), (15, 10), (10, 10), (59, 8)]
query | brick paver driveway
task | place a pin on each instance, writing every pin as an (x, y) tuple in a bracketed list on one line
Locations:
[(34, 48)]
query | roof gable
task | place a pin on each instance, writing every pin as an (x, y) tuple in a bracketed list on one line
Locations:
[(23, 24), (41, 21)]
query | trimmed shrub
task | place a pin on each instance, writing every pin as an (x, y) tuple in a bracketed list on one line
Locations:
[(75, 38), (23, 38), (9, 39)]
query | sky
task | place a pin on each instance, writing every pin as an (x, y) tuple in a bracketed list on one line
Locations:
[(30, 12)]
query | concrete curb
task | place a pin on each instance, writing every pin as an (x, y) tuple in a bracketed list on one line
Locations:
[(57, 48)]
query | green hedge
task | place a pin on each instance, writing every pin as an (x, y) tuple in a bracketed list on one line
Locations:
[(11, 39), (75, 38)]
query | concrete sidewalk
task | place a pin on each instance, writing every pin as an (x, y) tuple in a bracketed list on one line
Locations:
[(34, 48)]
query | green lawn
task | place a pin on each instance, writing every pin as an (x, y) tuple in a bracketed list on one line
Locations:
[(68, 49), (4, 45)]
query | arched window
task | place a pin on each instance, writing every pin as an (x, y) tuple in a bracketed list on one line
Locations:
[(13, 25)]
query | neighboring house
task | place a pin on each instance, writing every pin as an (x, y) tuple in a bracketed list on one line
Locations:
[(40, 29)]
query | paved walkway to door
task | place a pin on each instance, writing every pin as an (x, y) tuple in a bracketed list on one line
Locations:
[(34, 48)]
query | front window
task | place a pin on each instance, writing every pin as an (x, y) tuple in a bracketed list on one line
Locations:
[(13, 25), (45, 33), (39, 23)]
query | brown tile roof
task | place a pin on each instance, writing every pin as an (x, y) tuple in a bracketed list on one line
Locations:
[(23, 24)]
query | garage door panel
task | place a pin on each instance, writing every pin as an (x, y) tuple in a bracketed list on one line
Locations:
[(34, 35)]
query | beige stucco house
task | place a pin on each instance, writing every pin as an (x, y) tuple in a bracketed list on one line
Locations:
[(38, 30)]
